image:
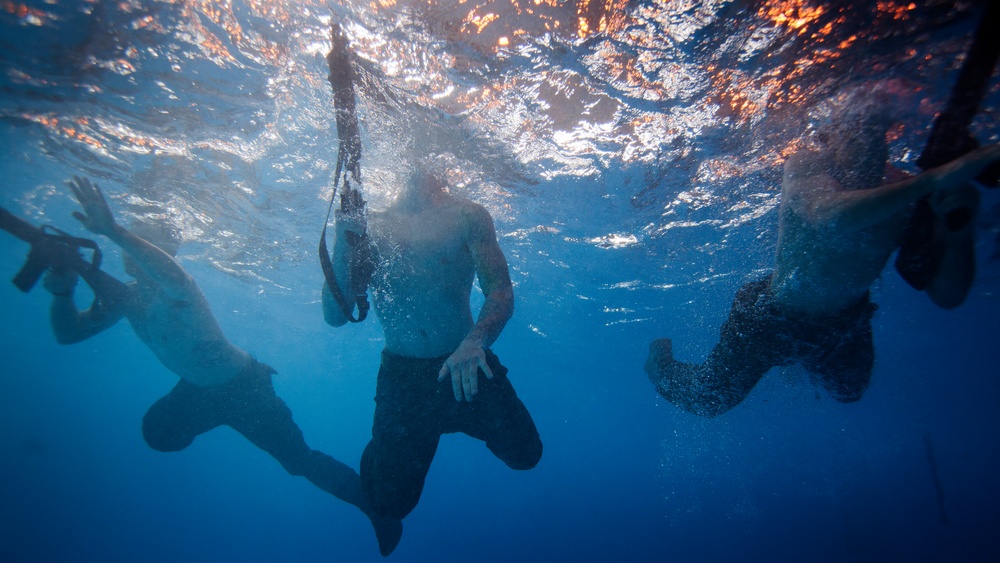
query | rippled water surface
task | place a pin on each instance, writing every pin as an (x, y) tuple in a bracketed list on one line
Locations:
[(631, 155)]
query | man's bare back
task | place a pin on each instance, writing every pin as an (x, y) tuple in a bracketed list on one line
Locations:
[(820, 269), (166, 308), (202, 355)]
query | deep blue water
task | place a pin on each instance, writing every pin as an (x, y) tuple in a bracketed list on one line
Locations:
[(616, 234)]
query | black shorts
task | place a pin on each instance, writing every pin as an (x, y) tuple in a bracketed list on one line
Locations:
[(248, 404), (413, 409), (836, 349)]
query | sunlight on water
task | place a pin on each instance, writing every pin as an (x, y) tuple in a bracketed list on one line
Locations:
[(645, 122)]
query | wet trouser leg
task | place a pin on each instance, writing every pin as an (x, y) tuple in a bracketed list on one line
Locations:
[(751, 342), (844, 359), (413, 410), (249, 405)]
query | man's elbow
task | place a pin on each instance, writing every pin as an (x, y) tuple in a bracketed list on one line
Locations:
[(949, 294), (505, 297), (951, 285)]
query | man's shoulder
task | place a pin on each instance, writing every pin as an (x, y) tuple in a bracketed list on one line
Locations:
[(807, 162), (807, 171), (470, 208), (477, 219), (460, 209)]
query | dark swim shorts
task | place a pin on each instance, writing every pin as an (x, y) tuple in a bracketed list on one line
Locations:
[(248, 404), (413, 409), (837, 351)]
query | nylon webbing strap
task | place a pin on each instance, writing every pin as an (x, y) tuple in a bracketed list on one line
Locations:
[(360, 299), (341, 78)]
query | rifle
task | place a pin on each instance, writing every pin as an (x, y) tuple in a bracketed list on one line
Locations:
[(917, 261), (50, 248), (341, 78), (53, 249)]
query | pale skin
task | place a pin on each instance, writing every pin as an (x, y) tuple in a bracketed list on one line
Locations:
[(842, 215), (165, 307), (428, 247)]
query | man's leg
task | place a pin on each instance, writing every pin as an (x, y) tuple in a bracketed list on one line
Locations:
[(405, 435), (499, 418), (253, 409), (256, 412), (395, 463), (845, 359), (174, 421), (752, 341)]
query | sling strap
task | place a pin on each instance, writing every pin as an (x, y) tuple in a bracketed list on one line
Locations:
[(341, 78)]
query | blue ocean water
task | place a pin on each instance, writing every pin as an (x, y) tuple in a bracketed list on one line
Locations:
[(630, 153)]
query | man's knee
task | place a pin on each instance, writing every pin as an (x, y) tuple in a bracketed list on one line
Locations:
[(390, 502), (529, 458), (707, 402), (163, 438), (848, 394), (710, 407), (848, 398), (522, 455), (848, 386), (391, 507)]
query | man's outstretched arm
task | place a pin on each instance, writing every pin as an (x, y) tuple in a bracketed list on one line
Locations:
[(156, 263), (823, 202)]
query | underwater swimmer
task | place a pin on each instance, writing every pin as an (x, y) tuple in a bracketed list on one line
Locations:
[(438, 374), (220, 383), (843, 211)]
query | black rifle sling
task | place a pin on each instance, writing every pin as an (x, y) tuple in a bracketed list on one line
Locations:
[(360, 295), (341, 79)]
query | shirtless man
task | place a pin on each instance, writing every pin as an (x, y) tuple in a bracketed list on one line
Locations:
[(426, 249), (220, 383), (843, 212)]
